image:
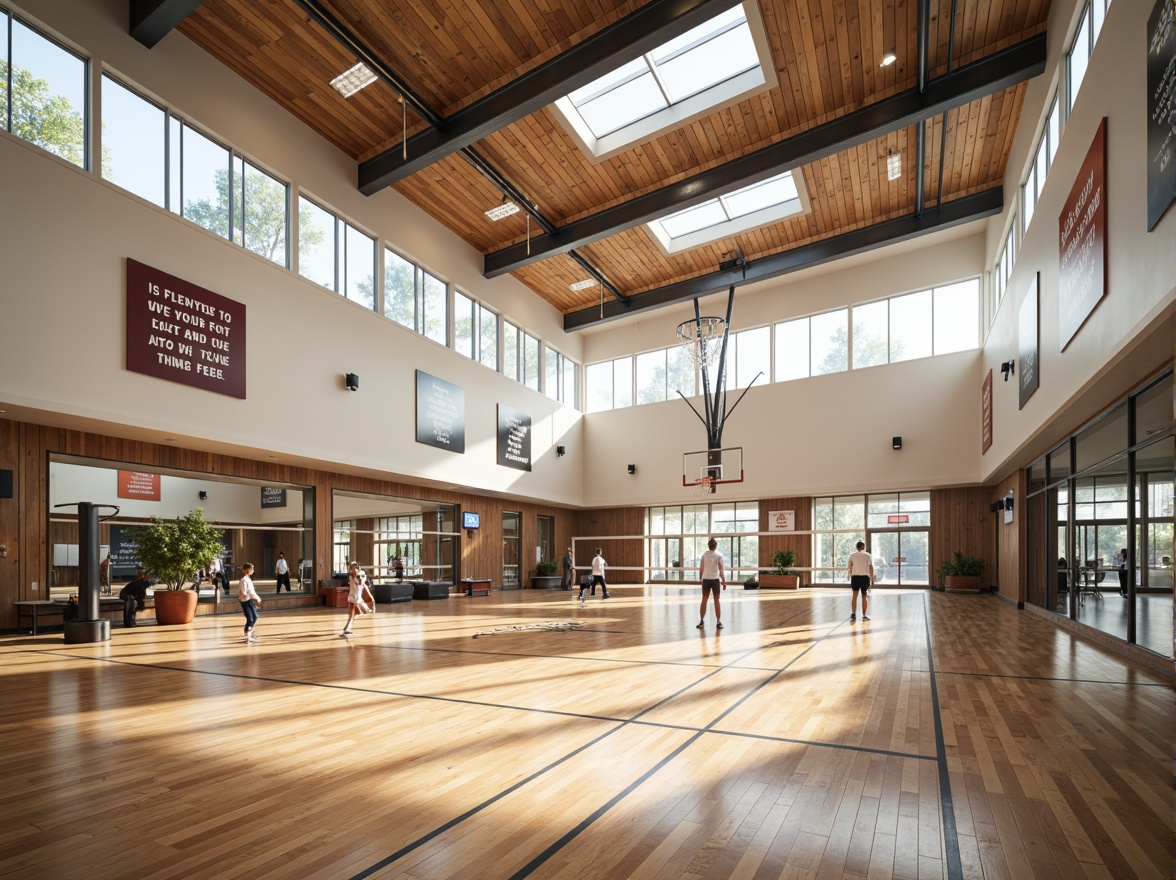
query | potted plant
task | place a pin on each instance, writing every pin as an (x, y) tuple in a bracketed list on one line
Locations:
[(174, 551), (546, 576), (962, 574), (782, 577)]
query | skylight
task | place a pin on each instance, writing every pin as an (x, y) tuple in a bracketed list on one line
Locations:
[(755, 205), (712, 65)]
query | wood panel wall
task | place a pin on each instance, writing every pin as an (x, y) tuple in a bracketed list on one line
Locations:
[(961, 520), (599, 522), (1011, 539), (801, 545)]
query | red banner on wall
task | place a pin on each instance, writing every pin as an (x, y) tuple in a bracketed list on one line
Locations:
[(1082, 242), (986, 413), (184, 333), (140, 486)]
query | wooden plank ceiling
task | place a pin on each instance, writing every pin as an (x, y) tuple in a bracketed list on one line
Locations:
[(826, 54)]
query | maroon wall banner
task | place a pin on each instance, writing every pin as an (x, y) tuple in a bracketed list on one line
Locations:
[(1082, 259), (986, 413), (134, 484), (184, 333)]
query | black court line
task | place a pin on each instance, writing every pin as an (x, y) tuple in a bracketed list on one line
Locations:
[(441, 829), (585, 823), (951, 840), (1154, 684)]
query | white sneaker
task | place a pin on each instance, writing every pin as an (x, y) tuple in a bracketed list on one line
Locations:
[(253, 639)]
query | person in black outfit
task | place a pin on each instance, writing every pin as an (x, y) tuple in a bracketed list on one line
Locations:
[(569, 569), (1121, 564), (134, 596)]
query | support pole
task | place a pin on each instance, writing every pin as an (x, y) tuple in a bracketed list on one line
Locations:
[(89, 627)]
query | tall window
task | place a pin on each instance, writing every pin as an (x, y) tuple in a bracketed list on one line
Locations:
[(416, 299), (663, 373), (561, 377), (677, 537), (475, 330), (915, 325), (1043, 155), (43, 95), (520, 355), (398, 544), (609, 385), (338, 256), (749, 352)]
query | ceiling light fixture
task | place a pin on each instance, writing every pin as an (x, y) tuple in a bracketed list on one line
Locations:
[(583, 285), (888, 59), (504, 210), (347, 84), (893, 167)]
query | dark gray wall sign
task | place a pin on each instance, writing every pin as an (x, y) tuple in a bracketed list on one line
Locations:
[(514, 438), (1161, 110), (440, 413)]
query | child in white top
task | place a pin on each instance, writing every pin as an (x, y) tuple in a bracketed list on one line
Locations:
[(248, 596), (359, 598)]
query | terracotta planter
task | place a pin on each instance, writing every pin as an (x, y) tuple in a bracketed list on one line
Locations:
[(957, 583), (175, 607), (779, 582)]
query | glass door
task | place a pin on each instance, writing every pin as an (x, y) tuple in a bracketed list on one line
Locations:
[(512, 540)]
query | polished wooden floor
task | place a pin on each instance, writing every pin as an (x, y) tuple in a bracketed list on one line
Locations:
[(951, 736)]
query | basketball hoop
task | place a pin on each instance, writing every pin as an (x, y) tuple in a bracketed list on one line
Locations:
[(703, 339), (704, 486)]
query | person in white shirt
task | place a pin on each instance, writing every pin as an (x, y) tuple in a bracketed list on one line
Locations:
[(248, 596), (282, 569), (215, 574), (861, 578), (598, 566), (710, 571)]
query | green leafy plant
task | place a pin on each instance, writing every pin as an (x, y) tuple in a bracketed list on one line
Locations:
[(547, 569), (174, 550), (962, 566), (784, 560)]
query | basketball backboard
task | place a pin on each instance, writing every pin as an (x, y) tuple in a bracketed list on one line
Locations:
[(716, 466)]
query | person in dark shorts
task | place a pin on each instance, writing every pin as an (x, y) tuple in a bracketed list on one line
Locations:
[(710, 572), (861, 578)]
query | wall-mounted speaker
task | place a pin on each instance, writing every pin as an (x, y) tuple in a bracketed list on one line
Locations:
[(5, 484)]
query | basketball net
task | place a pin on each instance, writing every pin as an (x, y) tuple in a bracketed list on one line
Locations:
[(704, 486), (703, 339)]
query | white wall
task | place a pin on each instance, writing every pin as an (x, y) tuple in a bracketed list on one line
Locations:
[(1141, 266), (63, 298)]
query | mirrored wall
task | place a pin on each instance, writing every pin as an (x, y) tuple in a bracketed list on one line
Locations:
[(258, 520), (394, 539)]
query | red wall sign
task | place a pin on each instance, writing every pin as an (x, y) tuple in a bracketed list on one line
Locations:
[(898, 518), (184, 333), (986, 413), (143, 487), (1082, 228)]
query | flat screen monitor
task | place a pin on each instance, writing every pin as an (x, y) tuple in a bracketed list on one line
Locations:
[(471, 520)]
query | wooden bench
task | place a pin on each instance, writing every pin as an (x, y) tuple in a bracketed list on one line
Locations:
[(35, 609)]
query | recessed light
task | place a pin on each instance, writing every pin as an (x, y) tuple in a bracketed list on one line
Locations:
[(347, 84), (583, 285), (888, 59), (504, 210), (893, 167)]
